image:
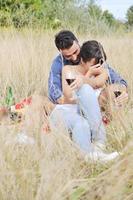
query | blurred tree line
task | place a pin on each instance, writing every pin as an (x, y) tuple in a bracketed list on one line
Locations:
[(81, 15), (130, 16)]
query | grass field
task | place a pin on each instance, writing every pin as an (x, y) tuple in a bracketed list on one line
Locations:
[(52, 168)]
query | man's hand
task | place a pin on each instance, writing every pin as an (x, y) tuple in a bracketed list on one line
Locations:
[(121, 99)]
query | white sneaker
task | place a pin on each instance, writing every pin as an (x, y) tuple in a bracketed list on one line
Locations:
[(99, 156)]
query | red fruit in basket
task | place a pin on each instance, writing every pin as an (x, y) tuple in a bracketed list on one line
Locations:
[(23, 103)]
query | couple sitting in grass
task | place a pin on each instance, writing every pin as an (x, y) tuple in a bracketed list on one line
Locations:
[(81, 82), (92, 70)]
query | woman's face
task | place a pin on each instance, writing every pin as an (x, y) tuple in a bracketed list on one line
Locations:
[(88, 64)]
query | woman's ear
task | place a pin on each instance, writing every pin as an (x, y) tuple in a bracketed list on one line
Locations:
[(101, 61), (83, 64), (81, 60)]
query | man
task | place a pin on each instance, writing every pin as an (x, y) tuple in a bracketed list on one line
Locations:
[(89, 127)]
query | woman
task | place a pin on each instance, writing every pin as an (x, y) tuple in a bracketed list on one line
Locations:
[(90, 69), (93, 70)]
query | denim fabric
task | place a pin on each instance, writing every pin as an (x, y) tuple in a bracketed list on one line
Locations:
[(85, 128)]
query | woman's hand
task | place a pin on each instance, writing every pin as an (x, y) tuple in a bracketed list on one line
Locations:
[(94, 70), (79, 81)]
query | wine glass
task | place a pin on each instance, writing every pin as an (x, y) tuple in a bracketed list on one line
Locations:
[(70, 78)]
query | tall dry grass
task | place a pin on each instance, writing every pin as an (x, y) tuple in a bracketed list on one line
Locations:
[(53, 168)]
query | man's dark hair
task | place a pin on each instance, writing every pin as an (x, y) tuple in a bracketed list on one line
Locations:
[(92, 49), (64, 39)]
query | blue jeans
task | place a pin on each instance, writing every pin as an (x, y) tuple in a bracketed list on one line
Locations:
[(84, 119)]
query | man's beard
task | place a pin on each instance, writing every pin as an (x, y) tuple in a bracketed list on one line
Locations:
[(76, 62)]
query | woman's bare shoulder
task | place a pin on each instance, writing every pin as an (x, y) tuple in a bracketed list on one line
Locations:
[(69, 67)]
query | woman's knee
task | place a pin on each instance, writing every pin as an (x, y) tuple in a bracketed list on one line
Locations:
[(86, 89)]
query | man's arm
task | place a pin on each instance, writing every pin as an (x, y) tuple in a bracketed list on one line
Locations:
[(117, 83), (55, 80), (115, 77)]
